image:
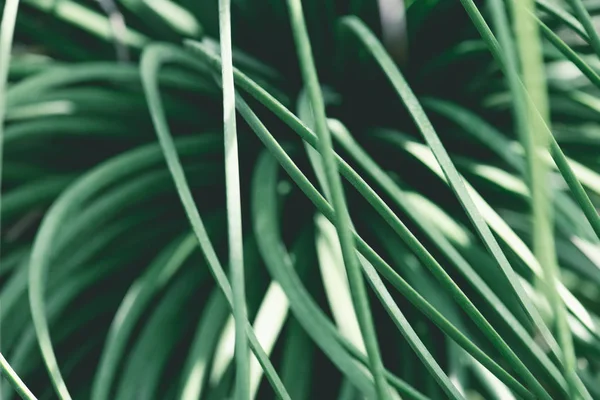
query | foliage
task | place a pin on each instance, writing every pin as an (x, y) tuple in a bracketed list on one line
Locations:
[(298, 200)]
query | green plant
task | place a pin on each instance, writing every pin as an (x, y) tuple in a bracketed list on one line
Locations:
[(321, 216)]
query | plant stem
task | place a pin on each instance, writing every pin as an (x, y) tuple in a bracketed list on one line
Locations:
[(532, 64), (584, 17), (342, 216), (234, 207), (14, 380), (7, 29)]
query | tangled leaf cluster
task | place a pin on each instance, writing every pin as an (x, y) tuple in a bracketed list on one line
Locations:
[(301, 199)]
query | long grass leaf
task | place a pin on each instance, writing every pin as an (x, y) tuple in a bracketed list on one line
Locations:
[(342, 220), (7, 27), (152, 61), (234, 207), (211, 324), (134, 302), (16, 382), (535, 139)]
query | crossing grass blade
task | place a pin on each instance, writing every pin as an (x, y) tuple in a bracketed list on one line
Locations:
[(373, 257), (14, 380), (557, 154), (535, 142), (584, 18), (342, 219)]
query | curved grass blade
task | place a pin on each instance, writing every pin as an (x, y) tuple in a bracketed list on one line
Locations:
[(297, 362), (85, 187), (334, 183), (7, 27), (141, 375), (203, 346), (37, 194), (135, 301), (23, 91), (74, 278), (57, 303), (152, 60), (279, 263)]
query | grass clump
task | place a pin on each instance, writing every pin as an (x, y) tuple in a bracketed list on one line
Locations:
[(301, 199)]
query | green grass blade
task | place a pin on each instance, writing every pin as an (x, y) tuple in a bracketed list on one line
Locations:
[(335, 281), (7, 27), (152, 60), (496, 222), (584, 18), (563, 16), (555, 150), (234, 207), (306, 115), (411, 336), (159, 336), (578, 191), (85, 187), (317, 199), (211, 324), (268, 324), (342, 220), (374, 279), (533, 76), (11, 376), (423, 153), (137, 298), (297, 362)]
